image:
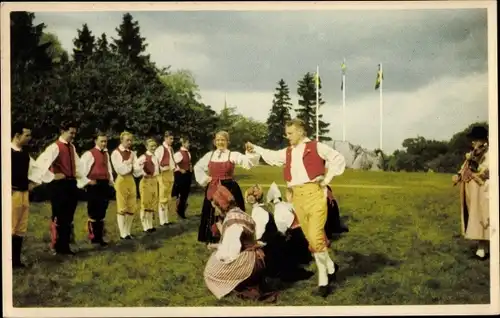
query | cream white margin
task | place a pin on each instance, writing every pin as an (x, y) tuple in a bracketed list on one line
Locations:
[(9, 311)]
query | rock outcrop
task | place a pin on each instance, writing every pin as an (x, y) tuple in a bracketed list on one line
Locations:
[(357, 157)]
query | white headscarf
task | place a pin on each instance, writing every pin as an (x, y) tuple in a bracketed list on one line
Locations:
[(274, 193)]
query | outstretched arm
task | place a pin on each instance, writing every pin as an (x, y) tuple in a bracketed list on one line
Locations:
[(271, 157)]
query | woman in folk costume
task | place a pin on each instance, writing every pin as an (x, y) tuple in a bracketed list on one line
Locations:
[(123, 160), (148, 166), (238, 264), (182, 176), (473, 178), (96, 180), (214, 168), (167, 203), (63, 167), (305, 171), (297, 247)]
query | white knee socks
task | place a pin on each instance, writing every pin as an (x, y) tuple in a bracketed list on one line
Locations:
[(121, 225), (330, 266), (163, 213), (321, 263)]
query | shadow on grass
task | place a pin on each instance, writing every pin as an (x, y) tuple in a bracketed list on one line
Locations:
[(361, 265)]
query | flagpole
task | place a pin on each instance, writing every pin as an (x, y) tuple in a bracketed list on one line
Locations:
[(317, 103), (381, 107), (343, 103)]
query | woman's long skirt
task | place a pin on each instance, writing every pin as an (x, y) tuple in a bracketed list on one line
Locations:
[(208, 217)]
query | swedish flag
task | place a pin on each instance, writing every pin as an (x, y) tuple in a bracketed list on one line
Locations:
[(380, 78)]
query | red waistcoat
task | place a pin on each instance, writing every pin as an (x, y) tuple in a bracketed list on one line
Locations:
[(186, 161), (314, 164), (149, 166), (65, 161), (99, 169), (165, 160), (125, 154)]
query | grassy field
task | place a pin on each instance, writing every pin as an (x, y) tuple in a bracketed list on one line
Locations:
[(403, 248)]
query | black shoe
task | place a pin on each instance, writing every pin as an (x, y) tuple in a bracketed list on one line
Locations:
[(323, 291), (333, 277), (128, 237), (66, 252), (486, 257), (152, 230), (103, 243)]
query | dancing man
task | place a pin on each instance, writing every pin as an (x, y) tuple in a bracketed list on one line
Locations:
[(165, 153), (304, 172), (474, 192), (97, 179), (123, 160), (182, 177), (62, 168), (25, 176)]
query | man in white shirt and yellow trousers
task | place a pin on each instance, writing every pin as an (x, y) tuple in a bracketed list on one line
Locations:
[(167, 204), (305, 163)]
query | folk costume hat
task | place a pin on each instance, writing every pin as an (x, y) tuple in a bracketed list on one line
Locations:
[(478, 133), (254, 194), (222, 197), (274, 193)]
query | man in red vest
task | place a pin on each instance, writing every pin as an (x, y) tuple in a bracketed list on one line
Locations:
[(182, 177), (62, 166), (305, 162), (97, 179), (165, 155)]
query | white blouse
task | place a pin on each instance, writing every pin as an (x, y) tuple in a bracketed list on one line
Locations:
[(201, 167), (260, 217)]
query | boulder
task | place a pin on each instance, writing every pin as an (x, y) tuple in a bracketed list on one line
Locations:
[(357, 157)]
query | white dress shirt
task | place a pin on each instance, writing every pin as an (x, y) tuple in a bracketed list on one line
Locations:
[(47, 158), (35, 174), (139, 165), (123, 167), (159, 154), (335, 162), (178, 157), (87, 160), (201, 167)]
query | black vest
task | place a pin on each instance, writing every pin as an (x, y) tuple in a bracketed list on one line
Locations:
[(20, 168)]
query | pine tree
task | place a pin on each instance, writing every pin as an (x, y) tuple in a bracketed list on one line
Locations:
[(278, 116), (84, 45), (307, 107), (102, 48), (27, 54), (130, 44)]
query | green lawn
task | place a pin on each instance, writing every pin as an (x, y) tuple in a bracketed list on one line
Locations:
[(402, 249)]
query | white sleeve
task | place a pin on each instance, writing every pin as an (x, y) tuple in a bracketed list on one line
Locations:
[(272, 157), (35, 174), (230, 247), (283, 217), (241, 160), (121, 168), (86, 162), (201, 169), (110, 169), (335, 161), (260, 217), (45, 160), (178, 157), (138, 170)]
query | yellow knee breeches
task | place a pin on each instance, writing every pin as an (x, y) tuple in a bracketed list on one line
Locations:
[(148, 188), (166, 183), (20, 212), (310, 205), (126, 194)]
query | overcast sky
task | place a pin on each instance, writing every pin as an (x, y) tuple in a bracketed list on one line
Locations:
[(434, 62)]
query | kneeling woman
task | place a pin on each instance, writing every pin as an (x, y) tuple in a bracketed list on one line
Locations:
[(237, 265)]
